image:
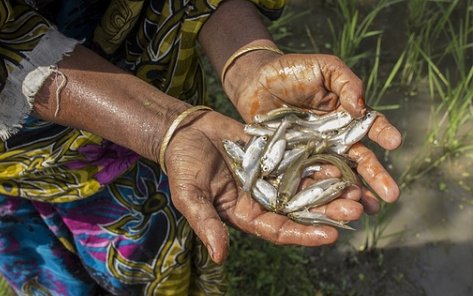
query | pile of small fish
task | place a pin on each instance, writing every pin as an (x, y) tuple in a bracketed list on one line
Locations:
[(289, 144)]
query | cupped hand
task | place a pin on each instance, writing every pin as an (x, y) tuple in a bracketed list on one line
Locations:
[(204, 190), (323, 83)]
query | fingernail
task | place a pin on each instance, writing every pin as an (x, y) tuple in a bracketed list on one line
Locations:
[(393, 194), (360, 107), (360, 102), (394, 138)]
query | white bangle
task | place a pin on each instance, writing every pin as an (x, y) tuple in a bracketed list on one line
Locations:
[(172, 128), (241, 52)]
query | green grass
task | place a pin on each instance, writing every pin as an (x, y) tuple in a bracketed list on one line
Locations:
[(435, 51), (425, 25), (353, 28), (376, 89), (257, 267), (452, 88)]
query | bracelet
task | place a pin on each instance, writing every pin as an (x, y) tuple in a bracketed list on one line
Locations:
[(241, 52), (172, 128)]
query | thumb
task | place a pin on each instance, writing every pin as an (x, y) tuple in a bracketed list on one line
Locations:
[(199, 211), (349, 88)]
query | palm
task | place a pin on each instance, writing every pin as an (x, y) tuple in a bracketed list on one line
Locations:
[(196, 167)]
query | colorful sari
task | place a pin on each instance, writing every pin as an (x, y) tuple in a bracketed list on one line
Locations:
[(80, 215)]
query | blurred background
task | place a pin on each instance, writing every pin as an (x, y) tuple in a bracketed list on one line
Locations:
[(415, 58)]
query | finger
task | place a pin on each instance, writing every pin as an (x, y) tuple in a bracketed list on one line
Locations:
[(250, 217), (352, 193), (384, 133), (342, 210), (199, 211), (374, 173), (330, 171), (369, 202), (325, 172), (344, 83)]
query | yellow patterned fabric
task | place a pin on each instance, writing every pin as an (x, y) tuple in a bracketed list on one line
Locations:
[(156, 41), (69, 176)]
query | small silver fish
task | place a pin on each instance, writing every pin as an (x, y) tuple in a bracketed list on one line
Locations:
[(258, 130), (313, 218), (239, 174), (309, 170), (251, 174), (302, 138), (289, 157), (330, 193), (352, 133), (265, 194), (292, 177), (274, 150), (308, 196), (250, 162), (234, 151), (273, 157), (327, 122), (339, 121), (253, 152), (278, 113)]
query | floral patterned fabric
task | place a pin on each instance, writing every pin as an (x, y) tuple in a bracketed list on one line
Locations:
[(79, 214)]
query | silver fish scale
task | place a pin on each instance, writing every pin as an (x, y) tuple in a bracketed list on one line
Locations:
[(272, 161)]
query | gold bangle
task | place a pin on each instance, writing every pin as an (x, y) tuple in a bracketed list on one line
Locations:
[(172, 128), (241, 52)]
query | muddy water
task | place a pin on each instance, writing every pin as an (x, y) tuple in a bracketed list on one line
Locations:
[(429, 237)]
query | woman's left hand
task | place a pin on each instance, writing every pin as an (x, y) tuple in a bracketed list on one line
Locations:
[(204, 190)]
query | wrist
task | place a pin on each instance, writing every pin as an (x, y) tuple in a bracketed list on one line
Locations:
[(242, 68), (173, 127)]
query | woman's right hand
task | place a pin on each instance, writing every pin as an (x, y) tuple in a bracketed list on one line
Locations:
[(260, 81)]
